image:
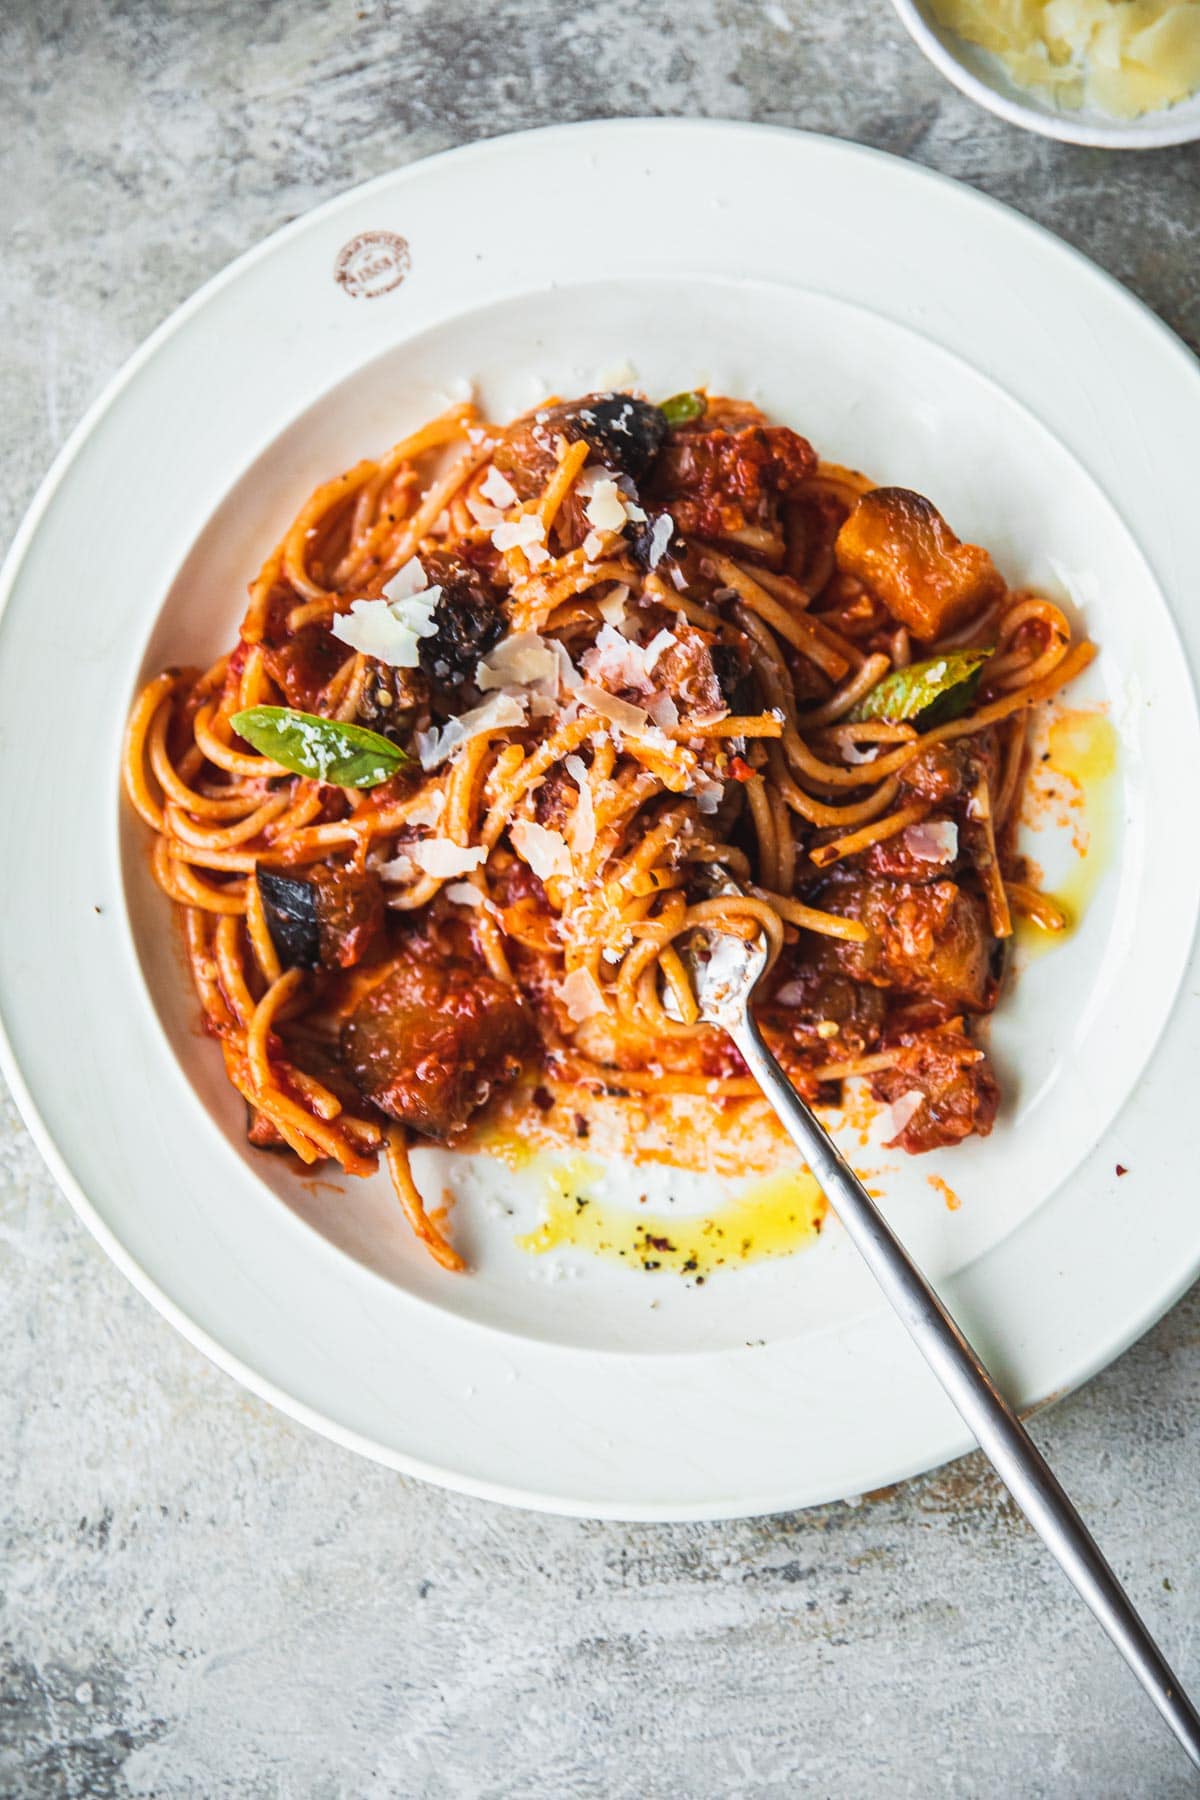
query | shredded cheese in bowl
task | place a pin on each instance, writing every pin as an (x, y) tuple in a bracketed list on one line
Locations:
[(1122, 57)]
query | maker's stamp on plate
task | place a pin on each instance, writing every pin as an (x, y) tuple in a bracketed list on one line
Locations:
[(371, 264)]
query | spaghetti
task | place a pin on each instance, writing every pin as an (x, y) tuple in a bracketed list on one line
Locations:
[(502, 703)]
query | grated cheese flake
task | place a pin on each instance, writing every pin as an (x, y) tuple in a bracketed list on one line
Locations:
[(612, 607), (618, 712), (658, 646), (660, 537), (544, 849), (708, 792), (389, 630), (933, 840), (442, 857), (429, 808), (526, 533), (523, 659), (435, 747), (498, 489), (410, 578), (580, 995), (400, 868), (568, 675), (485, 516), (583, 822), (663, 710), (1124, 59), (616, 661), (606, 508)]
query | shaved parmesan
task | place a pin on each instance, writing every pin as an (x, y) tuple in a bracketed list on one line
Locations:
[(389, 630), (463, 894), (568, 675), (708, 792), (434, 746), (614, 662), (593, 545), (660, 537), (523, 659), (583, 823), (612, 607), (580, 995), (617, 662), (618, 712), (429, 808), (485, 516), (934, 841), (606, 507), (663, 711), (498, 490), (401, 868), (526, 533), (627, 489), (544, 850), (410, 578), (441, 857), (1124, 59), (658, 646)]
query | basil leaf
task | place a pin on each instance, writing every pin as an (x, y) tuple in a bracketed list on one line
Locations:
[(681, 409), (926, 693), (323, 749)]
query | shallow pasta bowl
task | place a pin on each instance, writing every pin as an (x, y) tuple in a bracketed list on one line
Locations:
[(609, 1391)]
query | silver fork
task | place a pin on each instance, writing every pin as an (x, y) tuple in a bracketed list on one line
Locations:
[(725, 970)]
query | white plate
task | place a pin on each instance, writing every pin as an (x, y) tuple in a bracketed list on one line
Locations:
[(908, 326)]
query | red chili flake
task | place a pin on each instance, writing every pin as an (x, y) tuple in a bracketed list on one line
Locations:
[(582, 1127), (543, 1099), (1121, 1169), (740, 769)]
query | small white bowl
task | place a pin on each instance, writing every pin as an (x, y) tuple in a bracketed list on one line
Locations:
[(982, 77)]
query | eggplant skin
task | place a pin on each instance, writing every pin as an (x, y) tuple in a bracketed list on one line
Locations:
[(623, 432), (734, 679), (467, 619), (627, 432), (327, 918), (290, 906)]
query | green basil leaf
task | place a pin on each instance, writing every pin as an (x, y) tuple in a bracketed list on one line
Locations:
[(323, 749), (927, 693), (681, 409)]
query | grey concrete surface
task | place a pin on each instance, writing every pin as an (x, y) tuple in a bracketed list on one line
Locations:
[(196, 1597)]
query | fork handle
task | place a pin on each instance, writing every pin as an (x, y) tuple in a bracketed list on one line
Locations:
[(1013, 1452)]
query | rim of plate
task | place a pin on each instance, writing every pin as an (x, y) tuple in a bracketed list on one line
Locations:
[(1037, 1363), (1178, 124)]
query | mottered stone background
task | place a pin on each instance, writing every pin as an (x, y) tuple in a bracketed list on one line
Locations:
[(196, 1596)]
